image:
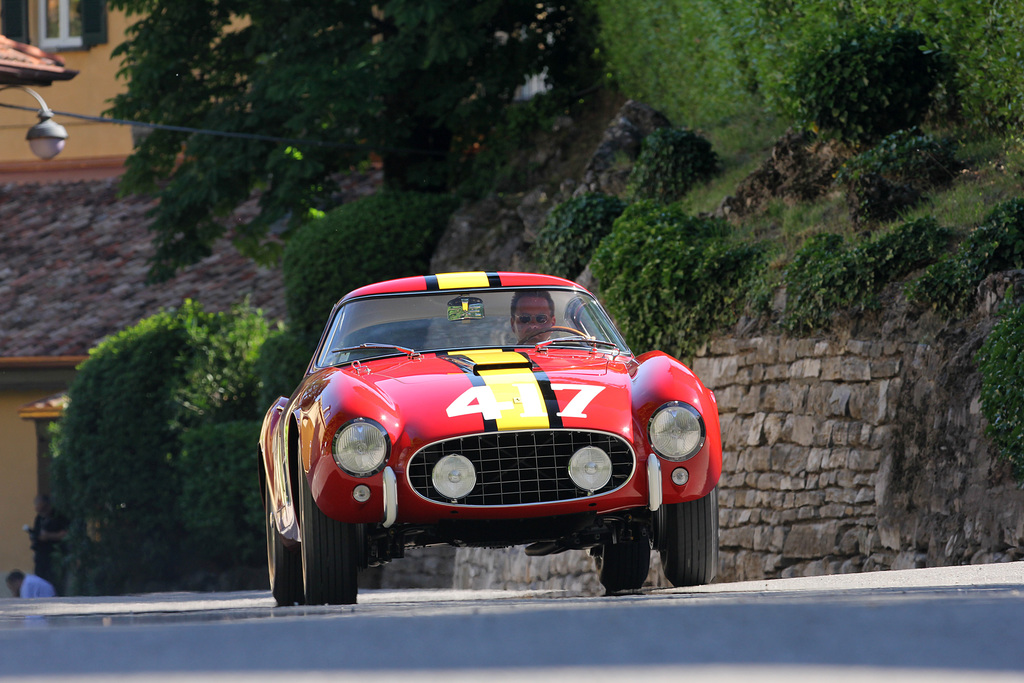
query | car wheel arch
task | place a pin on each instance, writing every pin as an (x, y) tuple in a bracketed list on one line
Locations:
[(292, 461)]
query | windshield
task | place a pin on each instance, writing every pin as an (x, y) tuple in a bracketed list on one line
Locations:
[(472, 319)]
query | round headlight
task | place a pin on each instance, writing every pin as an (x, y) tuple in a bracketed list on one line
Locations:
[(454, 476), (361, 447), (676, 431), (590, 468)]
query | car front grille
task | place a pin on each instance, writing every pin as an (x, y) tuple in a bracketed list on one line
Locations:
[(521, 468)]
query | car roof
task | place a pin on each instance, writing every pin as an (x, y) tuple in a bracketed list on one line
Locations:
[(466, 280)]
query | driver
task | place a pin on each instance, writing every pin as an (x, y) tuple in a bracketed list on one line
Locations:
[(533, 315)]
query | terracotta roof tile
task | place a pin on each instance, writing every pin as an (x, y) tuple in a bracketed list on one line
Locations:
[(73, 263), (22, 64)]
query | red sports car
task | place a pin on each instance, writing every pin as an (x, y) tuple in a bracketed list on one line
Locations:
[(491, 410)]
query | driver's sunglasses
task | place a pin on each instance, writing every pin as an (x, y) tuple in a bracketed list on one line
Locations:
[(540, 319)]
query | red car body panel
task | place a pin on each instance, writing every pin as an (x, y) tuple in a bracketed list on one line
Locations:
[(420, 399)]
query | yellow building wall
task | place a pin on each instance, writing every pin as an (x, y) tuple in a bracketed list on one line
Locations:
[(87, 93), (18, 481)]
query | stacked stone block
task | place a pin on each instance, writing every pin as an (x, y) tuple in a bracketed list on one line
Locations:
[(805, 424)]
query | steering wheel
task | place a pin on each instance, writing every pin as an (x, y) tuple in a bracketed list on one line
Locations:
[(553, 328)]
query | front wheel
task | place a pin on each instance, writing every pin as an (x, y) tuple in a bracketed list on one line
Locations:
[(623, 566), (687, 538), (332, 553), (285, 566)]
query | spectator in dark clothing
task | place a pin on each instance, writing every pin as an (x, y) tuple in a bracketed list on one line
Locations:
[(49, 529)]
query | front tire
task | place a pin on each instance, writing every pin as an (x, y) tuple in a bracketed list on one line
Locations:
[(285, 567), (332, 553), (688, 540), (624, 566)]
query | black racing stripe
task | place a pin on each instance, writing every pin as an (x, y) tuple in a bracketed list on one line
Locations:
[(548, 394), (493, 279), (461, 362), (550, 401), (432, 285)]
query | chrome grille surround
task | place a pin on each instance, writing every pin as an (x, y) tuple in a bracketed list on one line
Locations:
[(527, 467)]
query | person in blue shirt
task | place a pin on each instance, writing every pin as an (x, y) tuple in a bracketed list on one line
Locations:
[(24, 585)]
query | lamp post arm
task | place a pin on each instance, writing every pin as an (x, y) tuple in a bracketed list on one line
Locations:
[(44, 109)]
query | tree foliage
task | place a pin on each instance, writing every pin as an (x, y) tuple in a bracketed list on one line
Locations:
[(411, 80), (387, 235)]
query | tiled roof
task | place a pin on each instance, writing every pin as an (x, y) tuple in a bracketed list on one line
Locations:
[(22, 64), (73, 263)]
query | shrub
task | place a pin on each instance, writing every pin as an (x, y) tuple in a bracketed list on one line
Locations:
[(220, 503), (827, 275), (906, 156), (572, 232), (891, 177), (117, 446), (670, 279), (386, 235), (864, 82), (1002, 387), (671, 161), (282, 364), (997, 244)]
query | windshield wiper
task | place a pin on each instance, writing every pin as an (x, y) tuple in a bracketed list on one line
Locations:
[(592, 341), (411, 353)]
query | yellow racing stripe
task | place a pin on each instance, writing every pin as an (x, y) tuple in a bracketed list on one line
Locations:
[(461, 280), (515, 390)]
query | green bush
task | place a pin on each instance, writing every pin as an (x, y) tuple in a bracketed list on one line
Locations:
[(670, 279), (707, 61), (893, 176), (827, 275), (282, 363), (671, 161), (997, 244), (116, 448), (572, 232), (220, 503), (865, 82), (1002, 387), (386, 235), (906, 156)]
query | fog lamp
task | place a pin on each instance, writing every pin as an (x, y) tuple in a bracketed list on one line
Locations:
[(361, 493), (454, 476), (680, 476), (590, 468)]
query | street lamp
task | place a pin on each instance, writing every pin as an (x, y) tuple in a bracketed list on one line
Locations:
[(47, 137)]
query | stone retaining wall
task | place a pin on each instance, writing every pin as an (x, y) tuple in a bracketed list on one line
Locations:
[(860, 451)]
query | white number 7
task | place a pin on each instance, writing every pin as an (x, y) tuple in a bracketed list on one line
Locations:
[(585, 394)]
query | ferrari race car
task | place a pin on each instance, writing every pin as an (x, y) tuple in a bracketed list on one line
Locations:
[(487, 410)]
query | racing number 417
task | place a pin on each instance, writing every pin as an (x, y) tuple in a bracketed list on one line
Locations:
[(481, 400)]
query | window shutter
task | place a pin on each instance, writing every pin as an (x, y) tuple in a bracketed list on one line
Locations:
[(14, 16), (94, 22)]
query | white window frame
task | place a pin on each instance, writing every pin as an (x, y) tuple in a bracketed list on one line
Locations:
[(64, 41)]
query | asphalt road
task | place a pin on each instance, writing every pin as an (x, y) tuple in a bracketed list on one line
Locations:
[(943, 624)]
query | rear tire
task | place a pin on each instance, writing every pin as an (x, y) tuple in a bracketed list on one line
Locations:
[(688, 540), (624, 566), (285, 566), (332, 554)]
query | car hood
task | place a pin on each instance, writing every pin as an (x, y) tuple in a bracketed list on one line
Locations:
[(450, 394)]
